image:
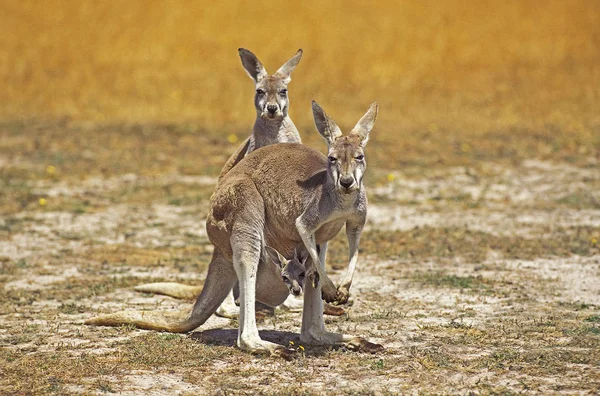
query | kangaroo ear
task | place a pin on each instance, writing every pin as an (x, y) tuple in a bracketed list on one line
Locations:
[(303, 257), (365, 124), (253, 67), (325, 125), (288, 67), (277, 258)]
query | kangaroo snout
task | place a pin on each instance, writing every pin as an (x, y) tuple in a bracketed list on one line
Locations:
[(272, 108), (346, 181), (295, 288)]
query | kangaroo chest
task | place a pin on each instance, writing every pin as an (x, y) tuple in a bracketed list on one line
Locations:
[(329, 230)]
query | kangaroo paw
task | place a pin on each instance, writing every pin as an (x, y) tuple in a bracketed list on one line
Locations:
[(342, 295)]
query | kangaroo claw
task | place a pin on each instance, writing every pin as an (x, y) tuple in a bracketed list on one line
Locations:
[(342, 295)]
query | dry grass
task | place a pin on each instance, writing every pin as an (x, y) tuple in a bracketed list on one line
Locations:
[(114, 120), (457, 81)]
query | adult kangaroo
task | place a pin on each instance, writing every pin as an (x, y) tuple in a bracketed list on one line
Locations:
[(286, 196), (272, 125)]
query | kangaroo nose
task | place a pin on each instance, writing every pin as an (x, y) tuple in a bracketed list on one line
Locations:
[(346, 182), (272, 108)]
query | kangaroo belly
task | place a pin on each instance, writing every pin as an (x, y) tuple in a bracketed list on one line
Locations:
[(329, 230)]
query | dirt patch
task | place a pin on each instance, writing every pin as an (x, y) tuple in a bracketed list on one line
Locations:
[(479, 293)]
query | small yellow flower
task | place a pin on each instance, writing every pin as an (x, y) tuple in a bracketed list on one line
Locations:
[(291, 342), (42, 201), (594, 241), (232, 138), (300, 347), (51, 170), (391, 177)]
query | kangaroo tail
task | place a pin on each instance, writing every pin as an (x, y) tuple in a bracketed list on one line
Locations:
[(220, 279), (148, 320), (171, 289)]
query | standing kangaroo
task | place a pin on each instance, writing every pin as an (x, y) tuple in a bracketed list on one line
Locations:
[(284, 196), (272, 125)]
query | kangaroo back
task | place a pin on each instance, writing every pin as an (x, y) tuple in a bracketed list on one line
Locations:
[(281, 181), (287, 175)]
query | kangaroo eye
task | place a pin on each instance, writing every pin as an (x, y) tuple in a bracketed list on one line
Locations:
[(260, 92), (286, 279), (283, 92), (332, 160), (360, 157), (302, 274)]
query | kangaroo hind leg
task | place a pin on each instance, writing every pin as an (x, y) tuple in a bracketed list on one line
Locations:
[(247, 245), (247, 252)]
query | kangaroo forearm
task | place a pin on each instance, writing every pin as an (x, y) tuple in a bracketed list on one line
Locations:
[(353, 253), (347, 280)]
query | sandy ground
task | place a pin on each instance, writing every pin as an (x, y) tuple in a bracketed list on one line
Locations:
[(503, 321)]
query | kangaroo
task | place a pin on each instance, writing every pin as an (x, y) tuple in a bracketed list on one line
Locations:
[(272, 125), (294, 272), (268, 200)]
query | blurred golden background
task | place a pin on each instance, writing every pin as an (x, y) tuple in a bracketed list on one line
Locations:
[(457, 81)]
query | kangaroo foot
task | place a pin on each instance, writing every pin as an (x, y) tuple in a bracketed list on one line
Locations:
[(258, 346), (316, 336)]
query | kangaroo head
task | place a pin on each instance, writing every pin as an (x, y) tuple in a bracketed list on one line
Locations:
[(271, 99), (346, 158), (293, 272)]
